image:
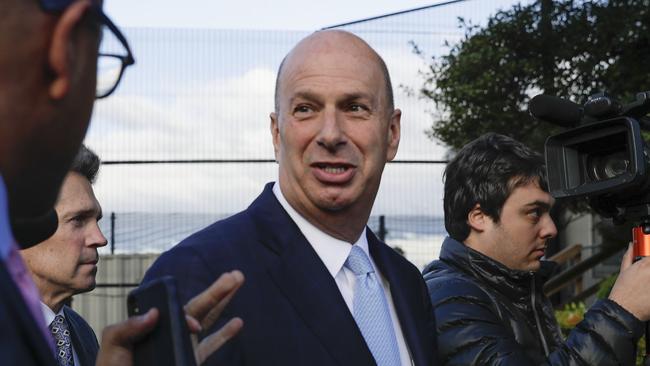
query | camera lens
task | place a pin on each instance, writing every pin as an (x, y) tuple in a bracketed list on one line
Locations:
[(609, 166)]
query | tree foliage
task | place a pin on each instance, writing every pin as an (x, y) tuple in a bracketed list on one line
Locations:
[(567, 48)]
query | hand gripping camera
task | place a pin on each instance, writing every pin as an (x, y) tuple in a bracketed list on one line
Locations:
[(604, 158)]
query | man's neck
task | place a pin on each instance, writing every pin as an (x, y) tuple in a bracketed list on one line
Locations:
[(344, 225), (54, 299)]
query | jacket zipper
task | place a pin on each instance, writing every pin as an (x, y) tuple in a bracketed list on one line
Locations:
[(537, 321)]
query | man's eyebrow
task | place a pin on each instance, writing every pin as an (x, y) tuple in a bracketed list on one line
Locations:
[(306, 95), (542, 204), (89, 212)]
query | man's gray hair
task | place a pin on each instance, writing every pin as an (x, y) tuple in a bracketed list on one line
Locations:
[(86, 163)]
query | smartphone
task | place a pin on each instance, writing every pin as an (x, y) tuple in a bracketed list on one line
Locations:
[(169, 343)]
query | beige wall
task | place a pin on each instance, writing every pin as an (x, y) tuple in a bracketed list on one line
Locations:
[(107, 305)]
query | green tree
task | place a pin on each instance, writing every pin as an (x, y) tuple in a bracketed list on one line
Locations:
[(568, 48)]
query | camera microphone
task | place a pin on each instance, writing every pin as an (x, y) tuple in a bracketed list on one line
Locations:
[(558, 111)]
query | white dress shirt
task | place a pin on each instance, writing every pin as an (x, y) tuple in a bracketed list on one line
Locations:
[(334, 252), (49, 315)]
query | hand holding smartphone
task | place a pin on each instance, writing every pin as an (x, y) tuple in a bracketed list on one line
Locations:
[(169, 343), (121, 342)]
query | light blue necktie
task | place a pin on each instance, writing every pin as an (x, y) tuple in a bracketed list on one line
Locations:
[(370, 310)]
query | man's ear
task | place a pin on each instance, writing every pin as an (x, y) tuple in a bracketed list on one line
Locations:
[(394, 133), (477, 219), (275, 133), (62, 52)]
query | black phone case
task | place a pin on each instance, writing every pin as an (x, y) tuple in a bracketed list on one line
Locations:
[(169, 343)]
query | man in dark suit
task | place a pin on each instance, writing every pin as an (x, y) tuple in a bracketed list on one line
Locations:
[(321, 289), (66, 263)]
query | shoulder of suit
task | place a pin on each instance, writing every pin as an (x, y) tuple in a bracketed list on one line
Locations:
[(78, 320)]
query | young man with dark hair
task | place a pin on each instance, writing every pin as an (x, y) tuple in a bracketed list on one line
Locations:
[(486, 288)]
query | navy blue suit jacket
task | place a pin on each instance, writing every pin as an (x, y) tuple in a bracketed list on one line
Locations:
[(21, 341), (83, 337), (292, 309)]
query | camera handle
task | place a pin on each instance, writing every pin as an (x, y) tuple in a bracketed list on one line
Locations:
[(641, 240)]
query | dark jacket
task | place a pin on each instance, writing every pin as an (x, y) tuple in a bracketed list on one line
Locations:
[(292, 309), (487, 314)]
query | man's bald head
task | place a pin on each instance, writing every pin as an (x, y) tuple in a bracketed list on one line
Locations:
[(320, 41)]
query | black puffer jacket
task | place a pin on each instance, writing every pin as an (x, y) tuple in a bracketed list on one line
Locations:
[(487, 314)]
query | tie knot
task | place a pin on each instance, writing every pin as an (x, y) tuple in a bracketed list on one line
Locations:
[(358, 262), (58, 324)]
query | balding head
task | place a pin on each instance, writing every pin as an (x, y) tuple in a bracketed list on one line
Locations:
[(333, 131), (326, 41)]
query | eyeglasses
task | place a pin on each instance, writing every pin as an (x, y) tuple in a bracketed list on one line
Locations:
[(114, 55), (111, 65)]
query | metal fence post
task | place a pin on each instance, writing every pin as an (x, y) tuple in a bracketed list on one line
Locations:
[(112, 232), (382, 228)]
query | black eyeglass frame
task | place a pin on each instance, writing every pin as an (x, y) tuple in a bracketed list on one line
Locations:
[(127, 60), (55, 6)]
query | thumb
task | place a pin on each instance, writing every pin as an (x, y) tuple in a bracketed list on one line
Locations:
[(628, 257), (130, 331)]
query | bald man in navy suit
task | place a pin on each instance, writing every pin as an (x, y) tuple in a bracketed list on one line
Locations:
[(298, 244)]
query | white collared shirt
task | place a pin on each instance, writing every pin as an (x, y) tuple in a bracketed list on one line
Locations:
[(334, 252), (49, 315)]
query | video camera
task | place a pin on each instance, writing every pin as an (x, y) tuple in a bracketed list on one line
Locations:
[(603, 157)]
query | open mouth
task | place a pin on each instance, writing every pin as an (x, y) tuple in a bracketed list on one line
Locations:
[(333, 173), (333, 168)]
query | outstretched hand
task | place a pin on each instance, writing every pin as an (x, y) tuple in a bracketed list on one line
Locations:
[(201, 313), (204, 309)]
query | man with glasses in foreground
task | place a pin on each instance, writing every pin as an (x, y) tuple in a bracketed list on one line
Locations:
[(50, 74)]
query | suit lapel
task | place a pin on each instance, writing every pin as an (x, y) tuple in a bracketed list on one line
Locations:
[(27, 328), (404, 292), (304, 280)]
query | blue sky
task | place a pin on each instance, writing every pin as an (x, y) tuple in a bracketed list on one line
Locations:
[(202, 88), (252, 14)]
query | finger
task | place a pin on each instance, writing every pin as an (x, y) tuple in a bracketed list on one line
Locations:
[(223, 287), (214, 341), (193, 324), (628, 257), (126, 333), (215, 312)]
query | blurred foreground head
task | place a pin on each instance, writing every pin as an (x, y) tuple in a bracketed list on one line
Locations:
[(48, 74)]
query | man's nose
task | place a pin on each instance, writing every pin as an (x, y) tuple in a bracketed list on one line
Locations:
[(549, 230), (331, 135), (96, 238)]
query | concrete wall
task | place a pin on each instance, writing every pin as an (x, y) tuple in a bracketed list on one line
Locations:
[(107, 305)]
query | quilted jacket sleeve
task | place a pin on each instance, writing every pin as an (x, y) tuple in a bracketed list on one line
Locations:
[(471, 332)]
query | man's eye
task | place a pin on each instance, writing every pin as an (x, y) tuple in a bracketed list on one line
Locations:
[(357, 108), (302, 109), (77, 221)]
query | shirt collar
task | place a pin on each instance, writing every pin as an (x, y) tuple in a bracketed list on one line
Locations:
[(49, 315), (6, 238), (333, 252)]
